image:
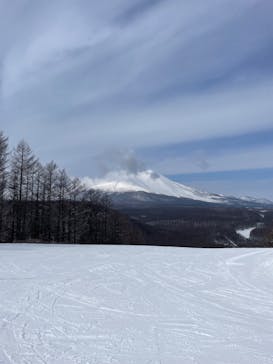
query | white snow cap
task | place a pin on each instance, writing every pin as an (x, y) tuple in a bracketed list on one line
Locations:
[(150, 182)]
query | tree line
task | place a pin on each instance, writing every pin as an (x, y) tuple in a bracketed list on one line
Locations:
[(41, 203)]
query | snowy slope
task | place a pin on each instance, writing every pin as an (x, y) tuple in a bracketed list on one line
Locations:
[(149, 182), (135, 305), (246, 233), (262, 201)]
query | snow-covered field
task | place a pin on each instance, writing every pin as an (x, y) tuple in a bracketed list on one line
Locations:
[(141, 305)]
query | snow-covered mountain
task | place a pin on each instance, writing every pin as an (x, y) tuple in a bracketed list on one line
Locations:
[(149, 182), (147, 186)]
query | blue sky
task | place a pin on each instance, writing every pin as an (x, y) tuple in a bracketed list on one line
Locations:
[(184, 85)]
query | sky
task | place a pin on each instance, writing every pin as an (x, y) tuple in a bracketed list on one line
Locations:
[(184, 85)]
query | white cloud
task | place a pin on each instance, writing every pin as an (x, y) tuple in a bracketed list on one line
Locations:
[(78, 75)]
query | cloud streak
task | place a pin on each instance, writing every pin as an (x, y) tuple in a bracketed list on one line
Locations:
[(80, 77)]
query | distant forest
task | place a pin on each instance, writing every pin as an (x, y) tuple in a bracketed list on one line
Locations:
[(41, 203)]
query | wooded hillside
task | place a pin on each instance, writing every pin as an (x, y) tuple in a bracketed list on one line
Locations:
[(41, 203)]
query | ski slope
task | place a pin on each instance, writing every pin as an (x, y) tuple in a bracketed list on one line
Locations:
[(135, 305)]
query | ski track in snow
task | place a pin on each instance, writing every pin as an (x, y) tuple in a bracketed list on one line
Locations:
[(135, 305)]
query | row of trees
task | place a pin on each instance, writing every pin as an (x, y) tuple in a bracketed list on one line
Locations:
[(42, 203)]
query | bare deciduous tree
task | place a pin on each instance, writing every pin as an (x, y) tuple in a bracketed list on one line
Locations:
[(42, 203)]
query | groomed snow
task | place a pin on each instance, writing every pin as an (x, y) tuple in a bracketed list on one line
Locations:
[(135, 305)]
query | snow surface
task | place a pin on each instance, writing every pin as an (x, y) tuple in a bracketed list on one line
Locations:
[(135, 305), (150, 182), (245, 233)]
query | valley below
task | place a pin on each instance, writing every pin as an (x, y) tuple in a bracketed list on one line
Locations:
[(165, 212), (203, 226)]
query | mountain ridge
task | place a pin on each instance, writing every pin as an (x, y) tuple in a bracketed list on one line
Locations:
[(148, 185), (149, 182)]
